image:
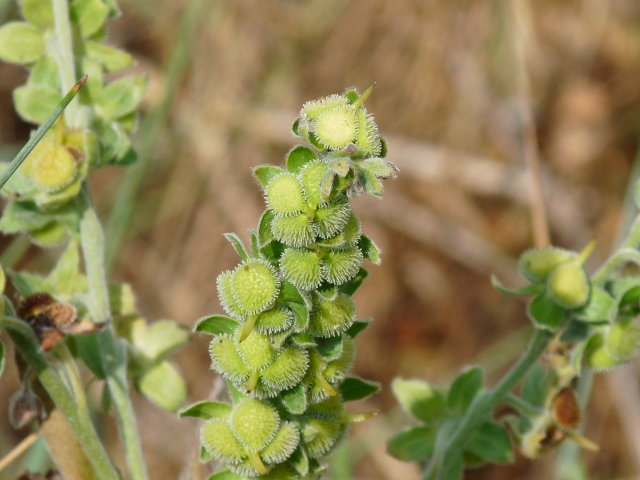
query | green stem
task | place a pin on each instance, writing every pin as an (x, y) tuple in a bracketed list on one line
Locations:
[(484, 404), (615, 261), (62, 49), (79, 420), (112, 352), (522, 405)]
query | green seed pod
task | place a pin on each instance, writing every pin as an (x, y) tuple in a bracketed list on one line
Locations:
[(254, 423), (341, 266), (311, 178), (225, 359), (622, 341), (51, 167), (284, 194), (331, 219), (296, 231), (227, 299), (254, 285), (316, 385), (302, 268), (287, 370), (331, 318), (330, 409), (535, 264), (218, 439), (367, 139), (313, 108), (256, 350), (568, 285), (52, 234), (597, 355), (274, 320), (337, 370), (336, 128), (347, 238), (321, 436), (283, 444)]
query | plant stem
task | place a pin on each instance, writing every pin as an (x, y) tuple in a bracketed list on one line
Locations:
[(26, 343), (484, 404), (112, 352)]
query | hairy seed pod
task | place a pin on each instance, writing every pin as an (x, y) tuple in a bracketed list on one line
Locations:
[(337, 370), (342, 265), (52, 234), (331, 318), (227, 299), (568, 285), (218, 439), (284, 194), (256, 350), (226, 360), (254, 423), (332, 218), (254, 285), (367, 138), (287, 370), (274, 320), (597, 355), (311, 178), (283, 444), (302, 268), (336, 128), (321, 436), (330, 409), (315, 387), (296, 231), (622, 341), (313, 108), (535, 264), (50, 166), (379, 167)]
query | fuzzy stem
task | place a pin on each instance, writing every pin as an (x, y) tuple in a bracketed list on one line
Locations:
[(79, 420), (484, 404), (62, 49)]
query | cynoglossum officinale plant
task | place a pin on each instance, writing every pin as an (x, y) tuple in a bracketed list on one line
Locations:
[(582, 322), (73, 313), (287, 344)]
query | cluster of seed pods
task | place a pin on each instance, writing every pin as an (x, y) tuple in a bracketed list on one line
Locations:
[(286, 346)]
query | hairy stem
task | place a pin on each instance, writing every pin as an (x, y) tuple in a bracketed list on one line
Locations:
[(78, 419), (62, 49)]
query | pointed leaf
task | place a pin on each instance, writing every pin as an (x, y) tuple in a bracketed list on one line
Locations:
[(300, 461), (237, 245), (265, 234), (264, 173), (369, 249), (301, 315), (121, 97), (206, 410), (545, 313), (464, 389), (298, 157), (353, 285), (330, 348), (110, 58), (491, 442), (413, 444), (27, 283), (420, 399), (216, 325), (164, 337), (358, 326), (532, 289), (295, 400), (164, 386), (354, 388)]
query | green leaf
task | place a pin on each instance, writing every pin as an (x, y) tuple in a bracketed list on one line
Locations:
[(358, 326), (413, 444), (66, 277), (265, 234), (369, 249), (491, 442), (545, 313), (600, 307), (330, 348), (532, 289), (121, 97), (301, 315), (89, 15), (420, 399), (45, 73), (110, 58), (300, 461), (34, 103), (353, 285), (37, 12), (164, 337), (464, 389), (3, 282), (298, 157), (453, 467), (575, 331), (116, 144), (2, 358), (225, 475), (354, 388), (164, 386), (216, 325), (206, 410), (27, 283), (264, 173), (20, 42), (534, 385), (88, 348), (295, 400), (237, 245), (22, 216)]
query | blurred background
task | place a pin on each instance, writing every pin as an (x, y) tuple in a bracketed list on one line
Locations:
[(464, 91)]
